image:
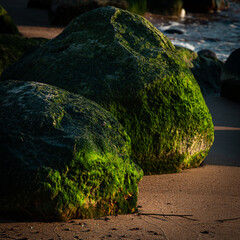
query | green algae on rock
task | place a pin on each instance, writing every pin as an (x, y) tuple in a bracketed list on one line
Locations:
[(122, 62), (12, 47), (6, 23), (62, 156)]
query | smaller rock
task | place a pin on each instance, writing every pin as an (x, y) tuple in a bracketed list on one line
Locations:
[(205, 68), (207, 53), (59, 161), (174, 31), (6, 23), (230, 77)]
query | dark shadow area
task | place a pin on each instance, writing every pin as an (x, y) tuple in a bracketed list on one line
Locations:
[(226, 119), (224, 112), (225, 150), (24, 16)]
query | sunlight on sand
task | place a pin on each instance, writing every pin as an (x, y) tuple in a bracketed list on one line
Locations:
[(223, 128)]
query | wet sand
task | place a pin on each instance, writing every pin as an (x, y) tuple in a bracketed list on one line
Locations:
[(201, 203)]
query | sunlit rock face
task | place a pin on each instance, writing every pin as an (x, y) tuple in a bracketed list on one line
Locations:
[(230, 77), (6, 23), (62, 156), (122, 62)]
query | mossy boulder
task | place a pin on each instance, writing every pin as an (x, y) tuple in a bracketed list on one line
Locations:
[(133, 71), (6, 23), (165, 7), (205, 68), (204, 6), (63, 11), (12, 47), (230, 77), (62, 156)]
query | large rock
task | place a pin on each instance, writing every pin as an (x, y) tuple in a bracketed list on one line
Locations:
[(12, 47), (205, 68), (122, 62), (204, 6), (230, 77), (63, 11), (6, 23), (166, 7), (62, 156)]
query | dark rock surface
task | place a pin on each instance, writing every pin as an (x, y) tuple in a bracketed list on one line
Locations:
[(230, 77), (173, 31), (133, 71), (166, 7), (205, 68), (207, 71), (207, 53), (6, 23), (63, 11), (204, 6), (62, 156)]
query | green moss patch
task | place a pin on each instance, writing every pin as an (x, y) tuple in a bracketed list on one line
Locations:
[(135, 72), (62, 156)]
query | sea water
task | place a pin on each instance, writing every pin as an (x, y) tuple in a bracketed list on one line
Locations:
[(219, 32)]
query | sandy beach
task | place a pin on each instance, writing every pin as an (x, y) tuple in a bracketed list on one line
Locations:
[(200, 203)]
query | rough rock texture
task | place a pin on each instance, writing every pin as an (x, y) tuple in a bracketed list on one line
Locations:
[(207, 72), (230, 77), (12, 47), (6, 23), (63, 11), (205, 68), (62, 156), (166, 7), (204, 6), (132, 70), (44, 4)]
